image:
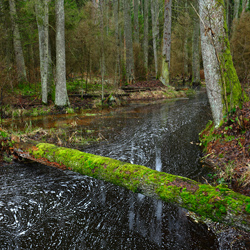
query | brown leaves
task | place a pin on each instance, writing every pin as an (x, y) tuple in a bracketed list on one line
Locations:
[(233, 145)]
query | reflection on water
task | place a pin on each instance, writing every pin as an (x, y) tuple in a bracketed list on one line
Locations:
[(46, 208)]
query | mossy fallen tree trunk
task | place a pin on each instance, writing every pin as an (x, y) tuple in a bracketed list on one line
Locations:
[(217, 203)]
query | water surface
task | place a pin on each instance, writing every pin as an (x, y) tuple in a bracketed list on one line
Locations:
[(46, 208)]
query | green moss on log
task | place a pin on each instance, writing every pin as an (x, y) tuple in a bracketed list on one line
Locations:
[(218, 203)]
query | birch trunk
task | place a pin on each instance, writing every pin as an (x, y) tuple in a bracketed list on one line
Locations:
[(42, 16), (195, 48), (128, 43), (19, 58), (145, 43), (155, 34), (166, 48), (223, 86), (61, 98), (136, 21)]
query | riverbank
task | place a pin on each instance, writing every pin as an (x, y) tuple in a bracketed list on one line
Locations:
[(22, 103), (22, 113), (227, 150)]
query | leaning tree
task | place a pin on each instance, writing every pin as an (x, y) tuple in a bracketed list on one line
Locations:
[(223, 86)]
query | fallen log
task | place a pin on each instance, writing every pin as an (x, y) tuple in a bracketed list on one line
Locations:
[(217, 203)]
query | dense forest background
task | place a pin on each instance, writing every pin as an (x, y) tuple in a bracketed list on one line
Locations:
[(96, 44)]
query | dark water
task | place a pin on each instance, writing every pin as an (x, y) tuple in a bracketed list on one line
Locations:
[(46, 208)]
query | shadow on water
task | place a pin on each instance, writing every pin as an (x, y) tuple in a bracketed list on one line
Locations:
[(46, 208)]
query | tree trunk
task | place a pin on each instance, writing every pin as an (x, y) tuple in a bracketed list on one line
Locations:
[(245, 5), (229, 10), (101, 3), (145, 40), (42, 16), (185, 47), (223, 86), (236, 8), (128, 43), (61, 98), (155, 34), (196, 47), (136, 21), (117, 63), (166, 48), (20, 65), (217, 203), (157, 14)]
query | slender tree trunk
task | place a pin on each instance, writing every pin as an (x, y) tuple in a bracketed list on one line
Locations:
[(236, 8), (223, 86), (185, 47), (42, 15), (217, 203), (128, 43), (229, 14), (61, 98), (50, 73), (245, 5), (102, 46), (157, 15), (185, 56), (155, 34), (166, 48), (196, 47), (136, 21), (145, 42), (117, 63), (20, 65)]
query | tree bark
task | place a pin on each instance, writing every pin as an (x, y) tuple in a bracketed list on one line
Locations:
[(166, 48), (145, 40), (223, 86), (101, 3), (196, 47), (117, 29), (136, 22), (128, 43), (245, 5), (185, 47), (42, 16), (155, 30), (217, 203), (236, 8), (19, 58), (61, 98)]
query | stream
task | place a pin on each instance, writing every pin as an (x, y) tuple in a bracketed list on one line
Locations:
[(46, 208)]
